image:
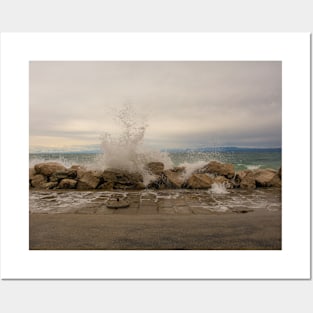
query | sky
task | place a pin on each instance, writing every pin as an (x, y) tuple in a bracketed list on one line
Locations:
[(187, 104)]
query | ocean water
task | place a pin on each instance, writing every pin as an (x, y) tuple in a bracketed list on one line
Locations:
[(241, 158)]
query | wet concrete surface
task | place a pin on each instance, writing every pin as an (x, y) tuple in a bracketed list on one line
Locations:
[(163, 220)]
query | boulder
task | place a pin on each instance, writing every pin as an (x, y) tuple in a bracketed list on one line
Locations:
[(240, 175), (264, 177), (38, 181), (279, 172), (199, 181), (67, 183), (155, 168), (219, 169), (89, 180), (50, 185), (276, 181), (223, 181), (120, 179), (106, 186), (174, 178), (58, 175), (79, 170), (247, 180), (32, 172), (48, 168)]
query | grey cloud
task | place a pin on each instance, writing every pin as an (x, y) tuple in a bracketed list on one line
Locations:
[(190, 100)]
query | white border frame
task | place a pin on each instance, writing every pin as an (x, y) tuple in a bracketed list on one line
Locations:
[(18, 262)]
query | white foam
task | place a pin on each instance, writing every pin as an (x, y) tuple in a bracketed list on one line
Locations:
[(190, 168), (217, 188), (220, 208), (253, 167)]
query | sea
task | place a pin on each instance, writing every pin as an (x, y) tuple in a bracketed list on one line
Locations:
[(241, 158)]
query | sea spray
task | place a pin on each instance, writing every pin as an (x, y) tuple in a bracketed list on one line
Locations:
[(190, 168), (126, 151), (218, 188)]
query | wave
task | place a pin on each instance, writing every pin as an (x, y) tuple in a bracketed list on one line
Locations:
[(253, 167), (217, 188)]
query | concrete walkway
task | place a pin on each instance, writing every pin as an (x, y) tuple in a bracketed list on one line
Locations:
[(156, 221)]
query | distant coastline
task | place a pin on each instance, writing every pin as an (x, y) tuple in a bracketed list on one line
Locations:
[(94, 149)]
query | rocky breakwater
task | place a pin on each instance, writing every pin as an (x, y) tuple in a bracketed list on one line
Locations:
[(52, 175)]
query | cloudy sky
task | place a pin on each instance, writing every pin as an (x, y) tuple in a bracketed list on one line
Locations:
[(185, 104)]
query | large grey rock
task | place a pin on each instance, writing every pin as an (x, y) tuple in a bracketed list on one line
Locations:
[(264, 177), (276, 181), (155, 168), (107, 186), (279, 172), (67, 183), (174, 178), (247, 180), (219, 169), (199, 181), (50, 185), (58, 175), (89, 180), (48, 168), (32, 173), (119, 179), (38, 181), (79, 170)]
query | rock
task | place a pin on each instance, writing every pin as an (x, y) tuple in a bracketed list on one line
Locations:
[(140, 185), (59, 175), (219, 169), (38, 181), (106, 186), (174, 178), (279, 172), (47, 169), (90, 180), (199, 181), (50, 185), (72, 173), (32, 172), (67, 183), (247, 180), (155, 168), (122, 179), (276, 181), (263, 178), (79, 170)]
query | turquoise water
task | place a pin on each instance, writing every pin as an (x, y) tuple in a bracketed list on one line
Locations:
[(240, 158)]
